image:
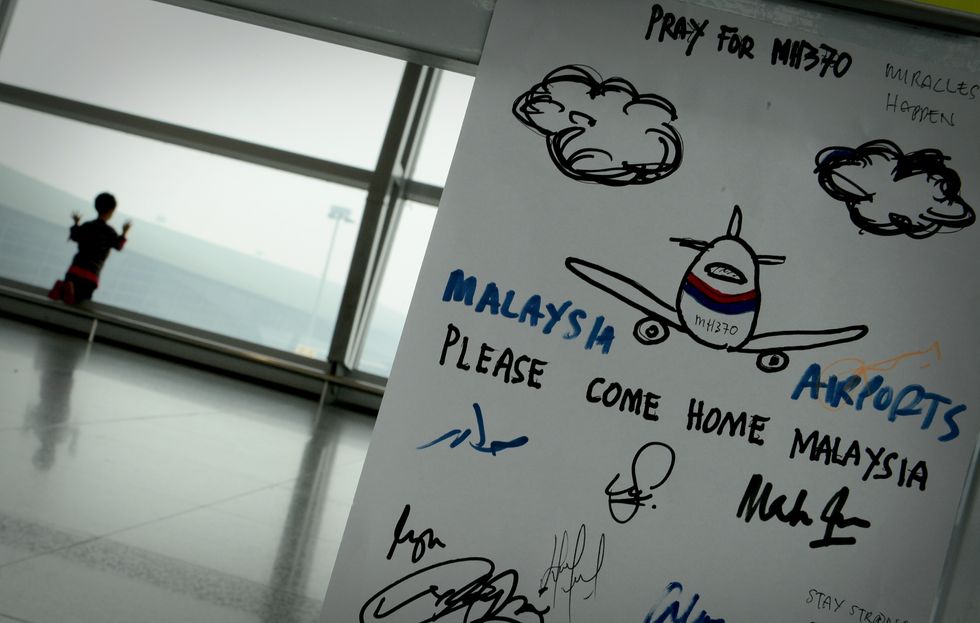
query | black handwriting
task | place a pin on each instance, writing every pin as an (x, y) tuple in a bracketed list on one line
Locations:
[(756, 499), (419, 597), (833, 516), (634, 496), (567, 560), (426, 540)]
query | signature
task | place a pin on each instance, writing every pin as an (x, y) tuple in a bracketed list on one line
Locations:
[(672, 611), (420, 544), (833, 516), (855, 366), (568, 561), (473, 589), (757, 500), (634, 496), (458, 436), (861, 368)]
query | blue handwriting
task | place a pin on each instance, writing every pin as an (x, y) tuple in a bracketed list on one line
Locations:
[(461, 288), (458, 436), (910, 401), (671, 613)]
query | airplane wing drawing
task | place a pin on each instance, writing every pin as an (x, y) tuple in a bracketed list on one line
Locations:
[(624, 289), (801, 340)]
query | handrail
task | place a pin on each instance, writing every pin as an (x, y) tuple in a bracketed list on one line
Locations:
[(185, 335)]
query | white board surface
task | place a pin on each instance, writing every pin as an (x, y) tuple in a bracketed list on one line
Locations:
[(619, 397)]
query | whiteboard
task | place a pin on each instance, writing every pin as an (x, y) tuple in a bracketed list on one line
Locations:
[(693, 339)]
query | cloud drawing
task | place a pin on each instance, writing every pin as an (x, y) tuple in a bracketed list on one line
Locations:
[(888, 192), (602, 131)]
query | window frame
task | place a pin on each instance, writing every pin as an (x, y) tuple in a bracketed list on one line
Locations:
[(387, 185)]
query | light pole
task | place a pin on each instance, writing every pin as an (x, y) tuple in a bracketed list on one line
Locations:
[(339, 215)]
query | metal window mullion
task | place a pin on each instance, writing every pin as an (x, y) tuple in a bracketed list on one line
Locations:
[(419, 123), (186, 137), (421, 192), (366, 265), (408, 153)]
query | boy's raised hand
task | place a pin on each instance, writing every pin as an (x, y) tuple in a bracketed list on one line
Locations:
[(126, 226), (75, 216)]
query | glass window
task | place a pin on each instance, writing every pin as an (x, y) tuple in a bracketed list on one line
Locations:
[(414, 226), (441, 132), (206, 72), (218, 244), (397, 284)]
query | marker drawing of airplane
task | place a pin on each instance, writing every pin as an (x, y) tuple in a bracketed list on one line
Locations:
[(717, 303)]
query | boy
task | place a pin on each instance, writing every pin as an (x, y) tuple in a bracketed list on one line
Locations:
[(95, 239)]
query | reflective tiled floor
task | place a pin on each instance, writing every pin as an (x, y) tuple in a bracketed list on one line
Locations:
[(138, 490)]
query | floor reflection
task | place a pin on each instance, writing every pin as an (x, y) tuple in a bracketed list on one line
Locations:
[(49, 419), (191, 496), (294, 557)]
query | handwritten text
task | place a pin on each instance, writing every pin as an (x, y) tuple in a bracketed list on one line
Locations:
[(563, 572), (426, 540), (458, 436)]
